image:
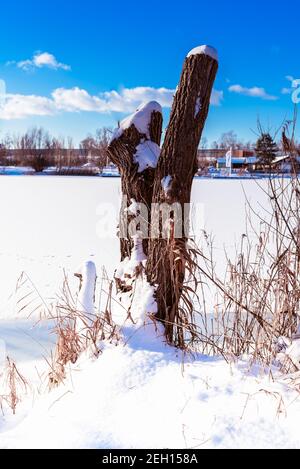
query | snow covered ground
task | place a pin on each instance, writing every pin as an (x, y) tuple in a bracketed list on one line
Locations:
[(140, 393), (51, 224), (145, 394)]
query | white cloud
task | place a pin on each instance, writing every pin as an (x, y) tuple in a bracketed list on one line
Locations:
[(254, 92), (216, 97), (17, 106), (126, 100), (290, 89), (76, 99), (40, 60)]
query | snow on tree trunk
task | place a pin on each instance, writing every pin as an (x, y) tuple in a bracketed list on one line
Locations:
[(169, 258), (135, 150)]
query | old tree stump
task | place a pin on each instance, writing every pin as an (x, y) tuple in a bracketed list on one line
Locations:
[(138, 134), (163, 183)]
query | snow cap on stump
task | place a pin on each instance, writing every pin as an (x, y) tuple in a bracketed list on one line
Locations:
[(205, 50), (141, 119)]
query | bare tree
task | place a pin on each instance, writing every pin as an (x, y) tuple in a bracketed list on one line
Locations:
[(58, 145), (5, 145), (34, 148), (230, 140), (203, 143), (87, 144), (71, 156), (95, 146)]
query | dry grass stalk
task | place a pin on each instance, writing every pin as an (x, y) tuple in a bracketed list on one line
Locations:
[(14, 385), (259, 299), (28, 298), (72, 340)]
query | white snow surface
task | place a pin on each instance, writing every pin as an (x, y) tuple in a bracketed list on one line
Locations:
[(141, 393), (206, 50), (77, 221), (140, 119), (146, 156)]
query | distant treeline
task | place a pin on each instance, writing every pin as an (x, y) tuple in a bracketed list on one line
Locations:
[(38, 149)]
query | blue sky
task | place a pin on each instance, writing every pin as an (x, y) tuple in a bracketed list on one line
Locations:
[(73, 67)]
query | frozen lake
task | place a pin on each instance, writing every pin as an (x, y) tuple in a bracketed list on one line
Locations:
[(51, 224)]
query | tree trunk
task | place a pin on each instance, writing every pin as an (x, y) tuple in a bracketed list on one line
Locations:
[(141, 130), (169, 257)]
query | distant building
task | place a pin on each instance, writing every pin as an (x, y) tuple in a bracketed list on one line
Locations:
[(237, 163), (241, 159), (286, 164), (282, 164), (212, 155)]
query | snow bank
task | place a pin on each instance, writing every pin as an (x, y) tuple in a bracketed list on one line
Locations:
[(146, 156), (141, 395), (140, 119), (144, 394), (206, 50)]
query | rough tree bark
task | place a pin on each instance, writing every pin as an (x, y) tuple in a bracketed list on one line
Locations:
[(145, 125), (168, 259)]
